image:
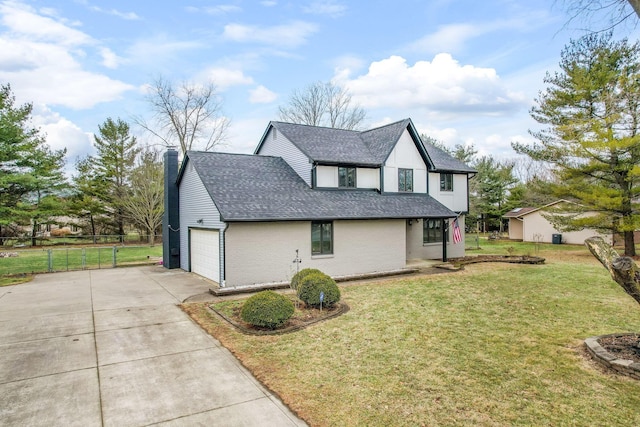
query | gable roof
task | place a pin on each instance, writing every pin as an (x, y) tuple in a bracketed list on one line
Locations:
[(361, 148), (443, 161), (263, 188), (520, 212)]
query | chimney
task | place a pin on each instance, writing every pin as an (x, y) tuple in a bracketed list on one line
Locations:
[(171, 215)]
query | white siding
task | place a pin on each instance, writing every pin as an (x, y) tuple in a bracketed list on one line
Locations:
[(455, 200), (405, 155), (418, 250), (535, 227), (195, 204), (264, 252), (327, 176), (277, 145)]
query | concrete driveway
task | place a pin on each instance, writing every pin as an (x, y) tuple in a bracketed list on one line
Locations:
[(110, 348)]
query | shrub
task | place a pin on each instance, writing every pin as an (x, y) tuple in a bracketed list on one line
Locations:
[(267, 309), (312, 284), (295, 280)]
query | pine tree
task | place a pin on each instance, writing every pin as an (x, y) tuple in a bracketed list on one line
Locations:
[(591, 108), (31, 177)]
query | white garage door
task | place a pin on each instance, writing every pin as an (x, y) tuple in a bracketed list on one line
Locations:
[(205, 253)]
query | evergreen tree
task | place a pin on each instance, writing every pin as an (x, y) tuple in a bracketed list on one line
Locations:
[(104, 179), (490, 191), (31, 177), (591, 108)]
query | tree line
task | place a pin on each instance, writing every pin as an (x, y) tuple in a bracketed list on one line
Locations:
[(587, 152)]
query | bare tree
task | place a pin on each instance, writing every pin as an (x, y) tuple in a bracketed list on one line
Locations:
[(189, 115), (323, 104), (617, 11), (143, 205)]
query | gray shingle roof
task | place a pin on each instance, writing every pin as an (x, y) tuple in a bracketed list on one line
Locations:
[(443, 161), (262, 188), (365, 148), (340, 146)]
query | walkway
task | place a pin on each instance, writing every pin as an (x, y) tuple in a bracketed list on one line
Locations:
[(111, 348)]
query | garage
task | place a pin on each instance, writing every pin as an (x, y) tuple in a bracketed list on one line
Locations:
[(204, 249)]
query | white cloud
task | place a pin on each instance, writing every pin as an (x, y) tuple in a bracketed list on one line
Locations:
[(268, 3), (23, 21), (262, 95), (61, 133), (221, 9), (448, 38), (109, 59), (439, 86), (159, 49), (290, 35), (129, 16), (326, 7), (40, 57), (224, 78), (50, 75)]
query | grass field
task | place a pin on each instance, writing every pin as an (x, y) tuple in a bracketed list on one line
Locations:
[(76, 258), (493, 345)]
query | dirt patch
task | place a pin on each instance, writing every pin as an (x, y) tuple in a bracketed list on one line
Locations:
[(303, 317), (514, 259), (625, 347)]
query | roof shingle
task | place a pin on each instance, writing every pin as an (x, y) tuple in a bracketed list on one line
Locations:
[(263, 188)]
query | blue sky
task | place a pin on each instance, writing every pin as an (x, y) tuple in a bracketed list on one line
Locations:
[(464, 71)]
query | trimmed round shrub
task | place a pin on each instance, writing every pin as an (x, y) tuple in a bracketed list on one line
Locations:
[(312, 284), (267, 309), (295, 280)]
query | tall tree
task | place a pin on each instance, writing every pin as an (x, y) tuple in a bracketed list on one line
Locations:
[(323, 104), (490, 191), (87, 203), (29, 170), (591, 108), (111, 167), (144, 204), (188, 115), (47, 182)]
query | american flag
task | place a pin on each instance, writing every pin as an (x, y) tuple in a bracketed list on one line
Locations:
[(457, 235)]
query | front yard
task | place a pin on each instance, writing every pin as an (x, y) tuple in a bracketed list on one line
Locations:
[(495, 344)]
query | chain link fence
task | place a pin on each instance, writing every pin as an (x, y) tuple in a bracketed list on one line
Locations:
[(48, 260), (48, 239)]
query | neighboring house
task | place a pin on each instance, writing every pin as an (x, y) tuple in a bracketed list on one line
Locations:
[(345, 202), (529, 225)]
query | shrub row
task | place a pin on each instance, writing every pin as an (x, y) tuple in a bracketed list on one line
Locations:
[(269, 309)]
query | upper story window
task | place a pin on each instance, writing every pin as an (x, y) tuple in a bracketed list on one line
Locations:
[(405, 179), (321, 237), (346, 177), (446, 182)]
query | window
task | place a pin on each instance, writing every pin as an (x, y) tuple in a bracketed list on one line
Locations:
[(405, 179), (432, 231), (446, 182), (346, 177), (321, 237)]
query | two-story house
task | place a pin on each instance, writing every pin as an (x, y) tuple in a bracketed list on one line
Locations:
[(345, 202)]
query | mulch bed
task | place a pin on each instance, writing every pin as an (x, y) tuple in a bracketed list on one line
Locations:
[(303, 317), (515, 259), (623, 346)]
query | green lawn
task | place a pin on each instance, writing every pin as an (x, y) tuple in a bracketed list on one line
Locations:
[(75, 258), (493, 345)]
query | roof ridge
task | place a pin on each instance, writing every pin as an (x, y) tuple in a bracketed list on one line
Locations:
[(384, 126)]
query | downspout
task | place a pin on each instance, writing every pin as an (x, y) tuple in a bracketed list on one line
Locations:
[(223, 259)]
